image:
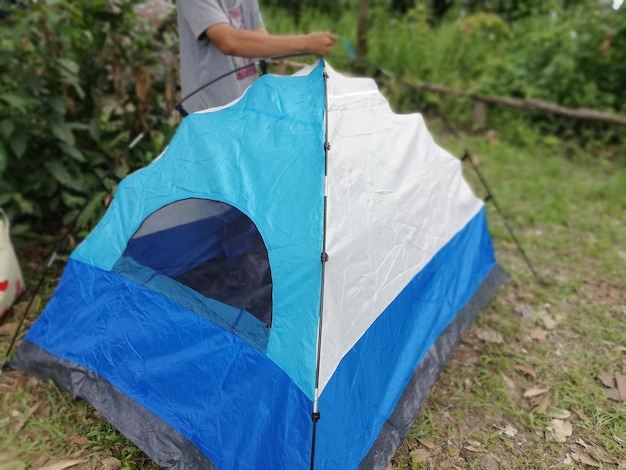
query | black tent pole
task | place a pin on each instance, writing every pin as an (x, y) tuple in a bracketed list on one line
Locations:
[(315, 416), (490, 197)]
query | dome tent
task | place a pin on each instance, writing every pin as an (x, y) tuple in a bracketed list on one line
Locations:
[(280, 287)]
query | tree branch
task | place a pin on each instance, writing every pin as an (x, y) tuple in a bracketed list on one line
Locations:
[(572, 113)]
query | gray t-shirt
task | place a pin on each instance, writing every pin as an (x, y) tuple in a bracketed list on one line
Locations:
[(201, 61)]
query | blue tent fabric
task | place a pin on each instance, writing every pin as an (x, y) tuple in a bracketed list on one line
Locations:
[(414, 321), (277, 128), (183, 375), (190, 316)]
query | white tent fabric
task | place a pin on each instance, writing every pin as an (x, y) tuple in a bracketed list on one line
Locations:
[(381, 218)]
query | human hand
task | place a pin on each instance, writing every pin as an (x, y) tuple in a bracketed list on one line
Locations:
[(320, 42)]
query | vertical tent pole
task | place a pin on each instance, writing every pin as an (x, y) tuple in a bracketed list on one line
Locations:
[(315, 417)]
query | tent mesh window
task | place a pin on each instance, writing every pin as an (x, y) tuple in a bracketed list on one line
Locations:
[(209, 257)]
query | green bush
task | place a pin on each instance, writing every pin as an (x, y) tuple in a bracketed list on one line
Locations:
[(82, 78)]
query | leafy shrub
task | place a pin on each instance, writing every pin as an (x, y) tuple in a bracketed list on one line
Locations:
[(83, 78)]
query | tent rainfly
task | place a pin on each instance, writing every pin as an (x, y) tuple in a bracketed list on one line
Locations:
[(279, 289)]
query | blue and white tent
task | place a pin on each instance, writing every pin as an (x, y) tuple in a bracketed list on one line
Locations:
[(279, 289)]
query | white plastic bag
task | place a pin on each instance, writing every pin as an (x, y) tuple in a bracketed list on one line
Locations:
[(11, 281)]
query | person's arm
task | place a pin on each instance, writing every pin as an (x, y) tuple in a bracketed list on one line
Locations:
[(258, 43)]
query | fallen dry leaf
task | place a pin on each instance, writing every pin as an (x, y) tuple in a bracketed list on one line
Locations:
[(419, 455), (489, 462), (427, 443), (508, 430), (538, 334), (620, 380), (8, 329), (526, 369), (474, 446), (582, 457), (549, 322), (110, 463), (581, 414), (545, 403), (620, 441), (582, 443), (524, 311), (489, 336), (534, 392), (607, 379), (63, 464), (41, 461), (559, 430), (79, 441), (557, 413), (613, 394), (510, 384)]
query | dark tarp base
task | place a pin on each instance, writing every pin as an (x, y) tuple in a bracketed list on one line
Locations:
[(425, 375), (162, 443)]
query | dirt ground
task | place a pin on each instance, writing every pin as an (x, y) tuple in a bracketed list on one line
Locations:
[(526, 388)]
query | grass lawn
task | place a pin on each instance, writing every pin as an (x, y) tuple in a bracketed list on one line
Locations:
[(533, 384)]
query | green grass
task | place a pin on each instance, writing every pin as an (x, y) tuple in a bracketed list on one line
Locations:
[(570, 216)]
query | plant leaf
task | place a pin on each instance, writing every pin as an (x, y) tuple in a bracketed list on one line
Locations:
[(62, 465), (533, 392), (62, 132), (63, 176), (16, 101), (69, 65), (6, 128), (19, 144), (73, 152), (559, 430), (88, 213)]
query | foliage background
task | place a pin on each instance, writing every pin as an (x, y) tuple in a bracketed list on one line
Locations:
[(81, 79)]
